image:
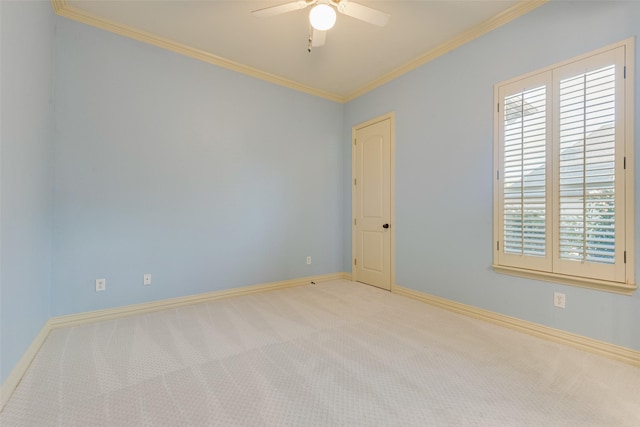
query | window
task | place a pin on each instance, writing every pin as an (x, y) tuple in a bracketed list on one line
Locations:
[(563, 193)]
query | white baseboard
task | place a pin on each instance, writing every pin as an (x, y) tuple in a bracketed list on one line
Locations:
[(577, 341), (129, 310), (12, 381), (580, 342)]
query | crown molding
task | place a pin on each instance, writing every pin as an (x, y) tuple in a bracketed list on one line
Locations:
[(63, 8), (485, 27)]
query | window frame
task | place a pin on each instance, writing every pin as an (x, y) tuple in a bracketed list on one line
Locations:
[(548, 268)]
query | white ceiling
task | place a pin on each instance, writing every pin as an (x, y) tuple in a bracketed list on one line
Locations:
[(356, 57)]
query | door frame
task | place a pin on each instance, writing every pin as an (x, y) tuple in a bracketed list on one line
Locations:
[(392, 123)]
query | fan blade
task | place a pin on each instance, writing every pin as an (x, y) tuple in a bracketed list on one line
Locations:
[(318, 38), (363, 13), (283, 8)]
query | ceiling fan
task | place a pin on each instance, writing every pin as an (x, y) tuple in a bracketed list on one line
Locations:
[(322, 16)]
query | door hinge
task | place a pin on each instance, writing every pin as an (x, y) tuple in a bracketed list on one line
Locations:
[(498, 245), (624, 163), (625, 257), (355, 141), (625, 72), (355, 261), (498, 175), (354, 221), (498, 107), (355, 181)]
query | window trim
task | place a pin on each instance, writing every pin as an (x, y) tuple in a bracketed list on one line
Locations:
[(628, 286)]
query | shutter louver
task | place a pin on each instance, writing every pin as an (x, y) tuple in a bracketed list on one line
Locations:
[(564, 194), (524, 194), (587, 166)]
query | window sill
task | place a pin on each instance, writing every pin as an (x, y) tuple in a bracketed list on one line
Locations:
[(600, 285)]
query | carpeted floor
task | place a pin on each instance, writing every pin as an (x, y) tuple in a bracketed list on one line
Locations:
[(337, 353)]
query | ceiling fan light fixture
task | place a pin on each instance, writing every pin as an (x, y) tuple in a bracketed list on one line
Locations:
[(322, 17)]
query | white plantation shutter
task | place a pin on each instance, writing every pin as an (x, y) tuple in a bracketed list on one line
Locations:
[(562, 205), (587, 166), (589, 145), (524, 129), (524, 179)]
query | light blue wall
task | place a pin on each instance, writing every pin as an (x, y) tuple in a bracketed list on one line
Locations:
[(27, 31), (209, 179), (205, 178), (444, 155)]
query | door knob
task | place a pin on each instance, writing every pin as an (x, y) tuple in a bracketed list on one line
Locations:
[(385, 226)]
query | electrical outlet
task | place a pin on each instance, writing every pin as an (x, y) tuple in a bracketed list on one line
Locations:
[(147, 279), (101, 285), (559, 300), (308, 260)]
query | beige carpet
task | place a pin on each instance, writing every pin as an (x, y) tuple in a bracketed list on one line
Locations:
[(337, 353)]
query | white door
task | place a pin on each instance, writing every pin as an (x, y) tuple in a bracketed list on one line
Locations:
[(372, 226)]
